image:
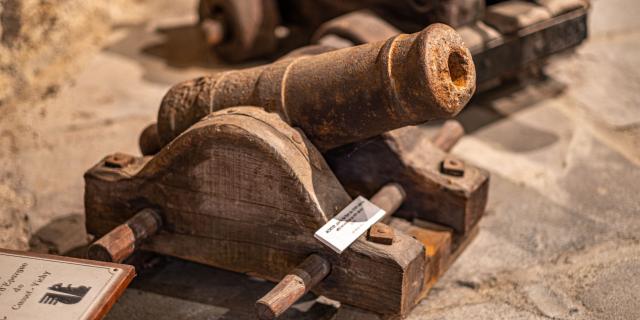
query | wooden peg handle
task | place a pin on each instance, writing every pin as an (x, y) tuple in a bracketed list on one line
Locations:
[(121, 242), (213, 31), (292, 287), (448, 135), (315, 268), (389, 198)]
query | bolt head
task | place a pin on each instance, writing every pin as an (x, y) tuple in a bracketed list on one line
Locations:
[(452, 167), (118, 160), (381, 233)]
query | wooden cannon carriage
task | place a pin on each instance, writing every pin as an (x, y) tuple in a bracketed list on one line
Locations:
[(244, 188)]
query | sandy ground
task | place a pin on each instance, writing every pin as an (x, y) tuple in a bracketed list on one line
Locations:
[(560, 240)]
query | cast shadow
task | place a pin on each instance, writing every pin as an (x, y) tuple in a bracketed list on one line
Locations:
[(489, 108), (206, 293), (62, 236)]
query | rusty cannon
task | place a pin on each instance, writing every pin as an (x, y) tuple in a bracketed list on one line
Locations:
[(340, 96), (235, 176)]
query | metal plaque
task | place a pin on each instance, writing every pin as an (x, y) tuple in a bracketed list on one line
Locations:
[(50, 287)]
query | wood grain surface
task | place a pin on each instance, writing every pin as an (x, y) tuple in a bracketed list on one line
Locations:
[(408, 157), (243, 191)]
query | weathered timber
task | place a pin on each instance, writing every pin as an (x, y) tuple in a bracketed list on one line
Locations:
[(340, 96), (513, 15), (437, 241), (389, 198), (407, 156), (315, 268), (442, 249), (243, 191), (511, 53), (457, 13), (558, 7), (122, 241), (442, 246)]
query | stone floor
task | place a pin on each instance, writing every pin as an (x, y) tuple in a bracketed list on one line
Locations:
[(560, 240)]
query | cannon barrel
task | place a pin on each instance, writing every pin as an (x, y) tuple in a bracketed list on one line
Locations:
[(340, 96)]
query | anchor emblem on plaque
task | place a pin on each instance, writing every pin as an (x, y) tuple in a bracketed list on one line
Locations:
[(66, 295)]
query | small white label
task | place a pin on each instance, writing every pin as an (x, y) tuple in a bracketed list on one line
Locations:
[(349, 224)]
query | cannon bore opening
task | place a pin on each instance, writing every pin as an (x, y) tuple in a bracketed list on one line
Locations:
[(457, 69)]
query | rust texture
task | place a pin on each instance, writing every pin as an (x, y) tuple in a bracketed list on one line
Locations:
[(340, 96), (121, 242)]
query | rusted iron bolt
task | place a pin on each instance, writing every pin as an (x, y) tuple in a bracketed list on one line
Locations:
[(118, 160), (381, 233), (341, 96), (453, 167)]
